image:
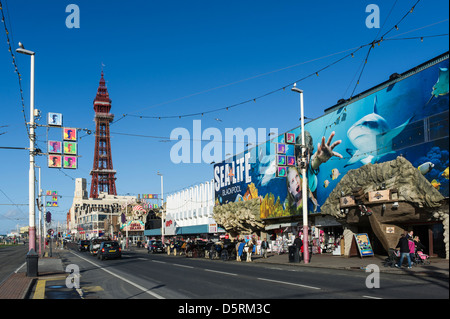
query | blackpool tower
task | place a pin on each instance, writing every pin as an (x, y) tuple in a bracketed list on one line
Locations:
[(103, 174)]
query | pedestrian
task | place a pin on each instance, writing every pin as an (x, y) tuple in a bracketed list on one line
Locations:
[(418, 243), (298, 246), (412, 249), (410, 234), (404, 251), (264, 247)]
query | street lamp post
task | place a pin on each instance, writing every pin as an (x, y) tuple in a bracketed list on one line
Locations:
[(162, 208), (31, 175), (304, 180), (40, 208)]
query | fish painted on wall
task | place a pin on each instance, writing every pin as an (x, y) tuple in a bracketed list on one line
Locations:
[(445, 173), (372, 138), (425, 167), (436, 184), (334, 173)]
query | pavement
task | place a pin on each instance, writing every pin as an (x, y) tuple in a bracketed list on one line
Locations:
[(51, 273)]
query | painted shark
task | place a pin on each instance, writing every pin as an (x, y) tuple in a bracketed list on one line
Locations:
[(372, 137)]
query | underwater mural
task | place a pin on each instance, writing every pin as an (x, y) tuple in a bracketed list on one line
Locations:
[(406, 117)]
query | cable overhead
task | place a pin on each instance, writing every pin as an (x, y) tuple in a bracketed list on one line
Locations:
[(371, 45), (16, 67)]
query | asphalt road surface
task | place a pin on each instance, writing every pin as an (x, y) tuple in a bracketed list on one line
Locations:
[(138, 275), (11, 259)]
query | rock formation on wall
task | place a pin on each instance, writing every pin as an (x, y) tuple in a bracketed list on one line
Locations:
[(242, 217), (416, 201), (412, 186)]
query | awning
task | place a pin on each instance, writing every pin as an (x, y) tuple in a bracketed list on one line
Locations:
[(197, 229), (282, 225), (152, 232)]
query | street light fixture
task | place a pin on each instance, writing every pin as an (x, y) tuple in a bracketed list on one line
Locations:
[(304, 179), (31, 175)]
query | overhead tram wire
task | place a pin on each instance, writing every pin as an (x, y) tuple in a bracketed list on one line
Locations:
[(371, 44), (240, 81), (271, 92), (14, 62), (375, 41), (248, 100)]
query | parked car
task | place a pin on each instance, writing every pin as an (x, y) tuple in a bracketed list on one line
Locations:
[(83, 245), (158, 247), (109, 249)]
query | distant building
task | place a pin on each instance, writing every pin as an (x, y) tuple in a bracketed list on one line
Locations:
[(91, 217)]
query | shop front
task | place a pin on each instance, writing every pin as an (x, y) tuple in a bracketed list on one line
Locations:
[(134, 229)]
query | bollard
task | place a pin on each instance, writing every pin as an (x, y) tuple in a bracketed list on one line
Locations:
[(32, 263)]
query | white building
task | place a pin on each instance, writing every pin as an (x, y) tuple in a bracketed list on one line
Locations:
[(190, 213)]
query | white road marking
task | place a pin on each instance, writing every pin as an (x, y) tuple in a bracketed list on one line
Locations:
[(122, 278), (185, 266), (20, 267), (289, 283), (221, 272), (370, 297)]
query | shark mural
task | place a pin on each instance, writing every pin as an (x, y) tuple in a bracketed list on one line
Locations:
[(372, 137)]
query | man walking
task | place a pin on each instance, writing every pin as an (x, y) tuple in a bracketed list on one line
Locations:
[(298, 245), (264, 247), (404, 251)]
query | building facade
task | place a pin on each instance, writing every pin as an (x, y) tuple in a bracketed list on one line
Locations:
[(404, 117), (189, 213), (95, 217)]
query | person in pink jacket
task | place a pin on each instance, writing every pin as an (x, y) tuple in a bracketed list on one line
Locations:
[(412, 249)]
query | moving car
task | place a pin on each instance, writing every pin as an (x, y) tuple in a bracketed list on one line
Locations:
[(109, 249), (158, 247), (83, 245), (95, 245)]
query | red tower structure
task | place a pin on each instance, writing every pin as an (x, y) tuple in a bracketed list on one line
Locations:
[(103, 174)]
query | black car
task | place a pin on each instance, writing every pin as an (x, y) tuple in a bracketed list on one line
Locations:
[(109, 249), (83, 245), (158, 247), (95, 245)]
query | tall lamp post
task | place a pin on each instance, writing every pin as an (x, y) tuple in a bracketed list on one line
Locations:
[(31, 175), (162, 208), (303, 166)]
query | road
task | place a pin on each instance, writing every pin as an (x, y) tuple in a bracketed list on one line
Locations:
[(139, 275), (11, 259)]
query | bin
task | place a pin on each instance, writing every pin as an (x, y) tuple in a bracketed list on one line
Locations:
[(294, 256), (291, 250), (32, 263)]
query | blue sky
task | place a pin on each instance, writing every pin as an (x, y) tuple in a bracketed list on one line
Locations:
[(172, 58)]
